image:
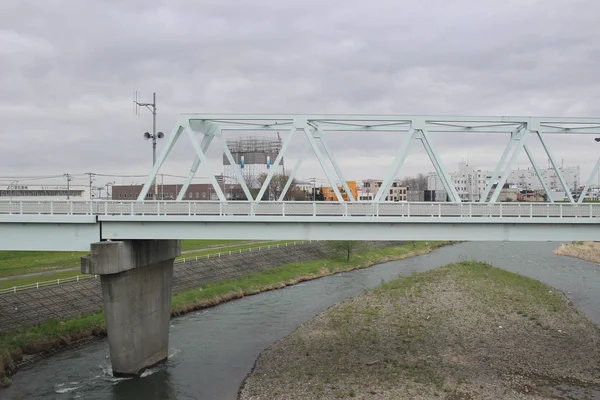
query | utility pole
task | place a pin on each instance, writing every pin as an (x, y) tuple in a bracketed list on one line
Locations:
[(91, 175), (69, 179), (154, 135)]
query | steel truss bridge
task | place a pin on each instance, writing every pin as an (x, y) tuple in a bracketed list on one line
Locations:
[(74, 225)]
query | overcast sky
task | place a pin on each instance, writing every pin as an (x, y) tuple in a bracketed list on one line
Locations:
[(68, 70)]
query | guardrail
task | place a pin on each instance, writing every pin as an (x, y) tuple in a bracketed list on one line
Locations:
[(181, 260), (298, 208), (37, 285)]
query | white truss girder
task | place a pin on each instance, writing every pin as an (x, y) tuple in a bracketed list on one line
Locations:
[(316, 126), (588, 183)]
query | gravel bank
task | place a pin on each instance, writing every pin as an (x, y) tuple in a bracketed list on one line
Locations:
[(588, 251), (465, 331)]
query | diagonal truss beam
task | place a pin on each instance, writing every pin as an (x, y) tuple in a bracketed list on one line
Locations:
[(321, 136), (537, 172), (206, 164), (293, 173), (510, 146), (556, 168), (396, 165), (236, 169), (588, 183), (439, 167), (206, 141), (311, 139), (418, 132), (267, 182), (520, 141)]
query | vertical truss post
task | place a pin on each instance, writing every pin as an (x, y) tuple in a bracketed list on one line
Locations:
[(397, 164), (310, 134), (555, 166), (509, 146), (293, 174), (173, 138), (206, 141), (206, 165), (335, 165), (286, 143), (238, 172), (439, 167), (521, 140), (589, 182), (537, 172)]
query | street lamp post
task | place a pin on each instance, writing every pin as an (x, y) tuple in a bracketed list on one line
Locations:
[(154, 135)]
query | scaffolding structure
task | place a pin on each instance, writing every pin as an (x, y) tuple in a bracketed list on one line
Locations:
[(254, 155)]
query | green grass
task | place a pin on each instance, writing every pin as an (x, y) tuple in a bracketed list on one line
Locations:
[(24, 262), (201, 244), (68, 274), (9, 283), (233, 248), (53, 333)]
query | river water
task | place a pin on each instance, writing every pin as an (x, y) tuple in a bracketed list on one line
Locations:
[(214, 349)]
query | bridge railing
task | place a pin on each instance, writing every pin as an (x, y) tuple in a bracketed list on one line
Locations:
[(299, 208)]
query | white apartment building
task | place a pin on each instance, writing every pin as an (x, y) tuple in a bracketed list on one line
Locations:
[(18, 192), (370, 187), (470, 182)]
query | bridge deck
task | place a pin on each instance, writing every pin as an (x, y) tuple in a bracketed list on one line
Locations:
[(63, 225)]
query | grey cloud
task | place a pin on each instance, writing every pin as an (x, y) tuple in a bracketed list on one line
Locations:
[(68, 69)]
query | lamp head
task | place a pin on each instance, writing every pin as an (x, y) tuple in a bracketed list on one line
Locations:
[(160, 135), (147, 135), (597, 139)]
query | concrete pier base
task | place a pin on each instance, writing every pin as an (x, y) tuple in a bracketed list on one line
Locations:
[(136, 277)]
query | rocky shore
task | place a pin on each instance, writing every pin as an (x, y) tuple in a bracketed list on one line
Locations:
[(464, 331)]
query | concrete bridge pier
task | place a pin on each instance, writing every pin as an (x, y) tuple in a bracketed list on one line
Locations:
[(136, 277)]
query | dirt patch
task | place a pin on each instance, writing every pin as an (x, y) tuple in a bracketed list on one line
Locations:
[(465, 331), (588, 251)]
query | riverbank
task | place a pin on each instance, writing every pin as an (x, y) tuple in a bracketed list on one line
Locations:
[(31, 343), (462, 331), (588, 251)]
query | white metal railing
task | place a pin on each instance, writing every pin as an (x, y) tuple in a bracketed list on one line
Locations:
[(180, 260), (53, 282), (301, 208)]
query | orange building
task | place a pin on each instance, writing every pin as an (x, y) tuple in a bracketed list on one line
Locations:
[(330, 195)]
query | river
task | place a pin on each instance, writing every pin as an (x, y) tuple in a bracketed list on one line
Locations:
[(214, 349)]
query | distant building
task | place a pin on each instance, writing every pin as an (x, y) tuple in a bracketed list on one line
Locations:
[(330, 195), (470, 182), (196, 191), (370, 187), (17, 192)]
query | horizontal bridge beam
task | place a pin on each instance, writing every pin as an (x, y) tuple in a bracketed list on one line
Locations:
[(350, 231)]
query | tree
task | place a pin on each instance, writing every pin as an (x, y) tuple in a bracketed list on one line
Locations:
[(348, 247), (317, 194), (418, 182), (276, 186)]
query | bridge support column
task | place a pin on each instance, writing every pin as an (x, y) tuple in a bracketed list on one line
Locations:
[(136, 277)]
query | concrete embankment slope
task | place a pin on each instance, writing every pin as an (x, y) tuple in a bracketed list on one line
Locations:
[(30, 307)]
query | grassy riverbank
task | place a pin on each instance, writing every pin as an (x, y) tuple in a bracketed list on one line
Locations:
[(223, 247), (588, 251), (463, 331), (25, 262), (55, 334)]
